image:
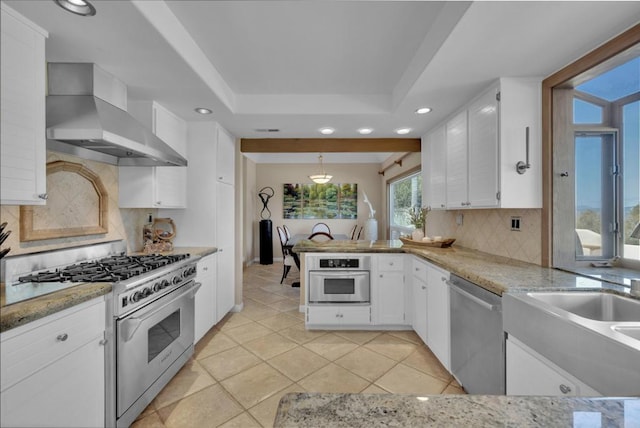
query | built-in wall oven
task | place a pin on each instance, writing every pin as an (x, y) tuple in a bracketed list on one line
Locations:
[(339, 279)]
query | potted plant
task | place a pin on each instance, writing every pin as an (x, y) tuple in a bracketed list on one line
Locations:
[(418, 218)]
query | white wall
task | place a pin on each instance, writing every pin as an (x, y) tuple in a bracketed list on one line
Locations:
[(276, 175)]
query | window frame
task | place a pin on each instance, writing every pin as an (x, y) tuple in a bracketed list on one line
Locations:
[(417, 172)]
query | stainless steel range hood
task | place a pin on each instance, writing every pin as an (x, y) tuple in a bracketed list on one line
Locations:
[(83, 119)]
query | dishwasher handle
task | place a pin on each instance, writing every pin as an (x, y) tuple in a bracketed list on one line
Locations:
[(470, 296)]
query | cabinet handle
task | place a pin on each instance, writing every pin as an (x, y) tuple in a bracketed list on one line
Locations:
[(564, 388), (391, 264), (103, 342), (424, 288), (441, 205), (62, 337), (220, 250), (443, 279), (159, 203), (381, 276), (522, 167), (463, 204), (417, 269), (337, 315), (43, 196), (219, 178), (205, 268)]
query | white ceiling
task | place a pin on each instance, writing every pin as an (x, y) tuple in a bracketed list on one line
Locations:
[(299, 66)]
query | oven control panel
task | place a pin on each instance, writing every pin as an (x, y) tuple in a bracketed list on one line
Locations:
[(339, 263)]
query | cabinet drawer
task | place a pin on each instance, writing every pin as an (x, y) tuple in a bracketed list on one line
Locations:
[(338, 315), (419, 268), (391, 263), (206, 264), (53, 337)]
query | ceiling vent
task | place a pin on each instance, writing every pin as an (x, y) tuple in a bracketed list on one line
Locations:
[(267, 130)]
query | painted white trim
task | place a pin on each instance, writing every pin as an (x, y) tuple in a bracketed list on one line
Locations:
[(6, 8), (237, 308)]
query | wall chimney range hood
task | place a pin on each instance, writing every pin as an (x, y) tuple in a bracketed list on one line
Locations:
[(87, 117)]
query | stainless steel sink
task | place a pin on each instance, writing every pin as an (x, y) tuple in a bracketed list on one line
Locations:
[(592, 335), (594, 306), (631, 331)]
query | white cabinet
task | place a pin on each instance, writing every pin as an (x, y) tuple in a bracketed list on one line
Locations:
[(457, 167), (338, 316), (438, 323), (529, 373), (225, 236), (419, 298), (483, 150), (22, 99), (389, 288), (156, 186), (225, 159), (152, 187), (205, 301), (53, 370), (434, 158)]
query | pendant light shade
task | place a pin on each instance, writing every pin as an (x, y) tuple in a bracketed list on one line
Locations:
[(321, 178)]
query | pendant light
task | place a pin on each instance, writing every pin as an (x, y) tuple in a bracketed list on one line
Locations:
[(321, 178)]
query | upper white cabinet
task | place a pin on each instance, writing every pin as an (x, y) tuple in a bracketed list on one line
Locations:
[(156, 186), (434, 157), (484, 142), (457, 168), (22, 98), (225, 159)]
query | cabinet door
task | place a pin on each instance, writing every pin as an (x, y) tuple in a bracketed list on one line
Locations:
[(438, 324), (22, 97), (323, 315), (483, 150), (434, 160), (225, 236), (205, 301), (531, 374), (171, 187), (338, 315), (225, 160), (457, 177), (419, 314), (69, 393), (390, 298), (355, 315)]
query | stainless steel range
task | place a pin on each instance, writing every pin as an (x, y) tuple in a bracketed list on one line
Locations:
[(151, 319)]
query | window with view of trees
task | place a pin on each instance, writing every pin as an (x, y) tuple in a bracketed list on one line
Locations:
[(404, 194), (606, 122)]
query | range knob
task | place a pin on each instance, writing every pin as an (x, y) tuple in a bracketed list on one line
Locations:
[(146, 292), (177, 279), (137, 296), (157, 287), (164, 284), (186, 273)]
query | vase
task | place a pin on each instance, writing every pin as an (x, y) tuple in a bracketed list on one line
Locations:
[(417, 235)]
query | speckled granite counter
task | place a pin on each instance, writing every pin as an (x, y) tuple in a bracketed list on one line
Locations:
[(494, 273), (21, 313), (24, 312), (391, 410)]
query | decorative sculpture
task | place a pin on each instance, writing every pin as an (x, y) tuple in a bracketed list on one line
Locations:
[(265, 194)]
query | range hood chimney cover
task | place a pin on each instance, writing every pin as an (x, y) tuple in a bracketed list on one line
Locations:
[(82, 119)]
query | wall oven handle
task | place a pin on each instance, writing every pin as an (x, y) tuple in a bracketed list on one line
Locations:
[(470, 296)]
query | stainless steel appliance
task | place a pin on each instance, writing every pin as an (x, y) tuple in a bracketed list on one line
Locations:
[(151, 318), (339, 279), (477, 338)]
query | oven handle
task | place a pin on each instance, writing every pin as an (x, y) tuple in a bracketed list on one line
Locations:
[(131, 324)]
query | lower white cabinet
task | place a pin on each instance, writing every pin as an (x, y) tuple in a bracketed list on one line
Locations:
[(225, 236), (438, 322), (388, 290), (419, 299), (205, 302), (529, 373), (53, 370), (338, 315)]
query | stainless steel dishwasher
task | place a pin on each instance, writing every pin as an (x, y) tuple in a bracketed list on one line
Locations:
[(477, 338)]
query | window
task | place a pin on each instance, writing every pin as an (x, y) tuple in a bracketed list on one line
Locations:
[(404, 194), (599, 180)]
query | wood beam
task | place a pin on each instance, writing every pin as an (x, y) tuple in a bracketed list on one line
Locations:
[(329, 145)]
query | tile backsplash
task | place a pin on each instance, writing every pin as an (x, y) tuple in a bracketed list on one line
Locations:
[(490, 231), (123, 223)]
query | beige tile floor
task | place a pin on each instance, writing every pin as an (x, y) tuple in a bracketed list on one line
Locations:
[(245, 364)]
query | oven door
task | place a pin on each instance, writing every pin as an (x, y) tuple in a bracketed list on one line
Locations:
[(150, 340), (342, 286)]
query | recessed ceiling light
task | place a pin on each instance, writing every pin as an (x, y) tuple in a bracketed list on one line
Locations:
[(327, 131), (203, 110), (423, 110), (403, 131), (365, 131), (79, 7)]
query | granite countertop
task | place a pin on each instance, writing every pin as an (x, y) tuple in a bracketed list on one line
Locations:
[(395, 410), (21, 313), (494, 273)]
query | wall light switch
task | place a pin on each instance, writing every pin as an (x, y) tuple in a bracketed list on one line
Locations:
[(459, 218)]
